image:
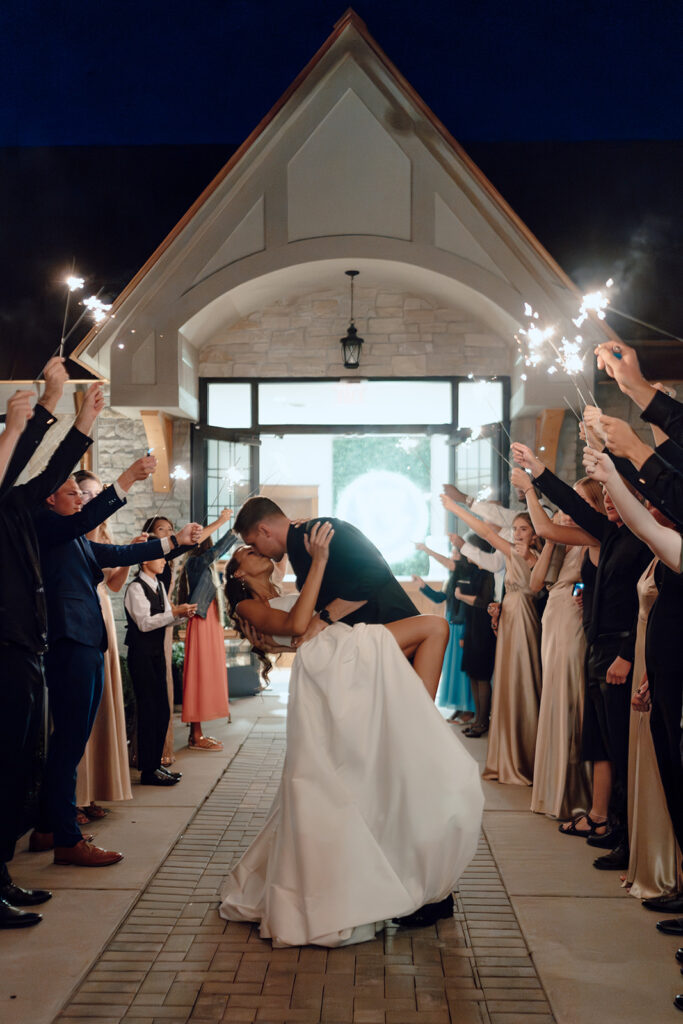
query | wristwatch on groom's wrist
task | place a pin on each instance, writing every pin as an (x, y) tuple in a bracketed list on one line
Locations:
[(325, 616)]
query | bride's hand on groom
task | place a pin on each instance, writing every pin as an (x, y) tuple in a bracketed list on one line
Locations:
[(317, 542)]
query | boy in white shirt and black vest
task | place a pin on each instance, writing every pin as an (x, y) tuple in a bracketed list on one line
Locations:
[(148, 612)]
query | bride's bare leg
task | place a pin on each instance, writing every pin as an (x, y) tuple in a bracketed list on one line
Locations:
[(427, 636)]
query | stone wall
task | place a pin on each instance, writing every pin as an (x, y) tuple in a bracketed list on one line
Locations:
[(405, 335), (119, 441)]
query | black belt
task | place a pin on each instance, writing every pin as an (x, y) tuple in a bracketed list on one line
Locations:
[(612, 636)]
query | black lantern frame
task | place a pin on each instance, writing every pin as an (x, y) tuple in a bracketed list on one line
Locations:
[(351, 344)]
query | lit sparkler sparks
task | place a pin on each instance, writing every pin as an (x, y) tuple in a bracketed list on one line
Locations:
[(568, 351), (594, 302), (98, 308), (484, 494), (179, 473), (73, 284)]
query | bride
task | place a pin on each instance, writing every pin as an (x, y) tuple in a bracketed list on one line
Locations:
[(379, 807)]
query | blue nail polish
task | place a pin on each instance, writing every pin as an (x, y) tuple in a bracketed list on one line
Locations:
[(617, 355)]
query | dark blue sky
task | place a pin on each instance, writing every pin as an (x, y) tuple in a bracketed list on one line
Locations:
[(204, 71)]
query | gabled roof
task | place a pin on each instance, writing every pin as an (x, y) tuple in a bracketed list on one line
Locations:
[(349, 22)]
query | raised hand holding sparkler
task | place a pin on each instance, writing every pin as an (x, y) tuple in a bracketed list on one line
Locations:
[(91, 407), (623, 441), (138, 470), (621, 363), (595, 435), (55, 378), (524, 457), (519, 478), (598, 465)]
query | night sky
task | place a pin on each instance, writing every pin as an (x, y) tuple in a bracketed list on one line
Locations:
[(524, 86), (203, 71)]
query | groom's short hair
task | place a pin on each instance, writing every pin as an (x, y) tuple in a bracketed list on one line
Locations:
[(253, 512)]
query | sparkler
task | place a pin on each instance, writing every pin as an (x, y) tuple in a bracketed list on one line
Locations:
[(410, 445), (568, 354), (179, 473), (572, 409), (232, 476), (73, 284), (470, 376)]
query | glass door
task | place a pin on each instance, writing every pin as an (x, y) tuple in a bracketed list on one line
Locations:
[(228, 472)]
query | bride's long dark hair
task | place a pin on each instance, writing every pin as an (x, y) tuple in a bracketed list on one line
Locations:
[(236, 590)]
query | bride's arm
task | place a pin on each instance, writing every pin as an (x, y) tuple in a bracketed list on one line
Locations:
[(294, 622)]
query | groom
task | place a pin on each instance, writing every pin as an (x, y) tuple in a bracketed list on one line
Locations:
[(358, 586)]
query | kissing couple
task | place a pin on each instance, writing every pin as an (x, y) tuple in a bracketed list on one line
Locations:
[(379, 807)]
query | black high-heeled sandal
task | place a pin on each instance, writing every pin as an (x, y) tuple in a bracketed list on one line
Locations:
[(592, 829), (475, 731)]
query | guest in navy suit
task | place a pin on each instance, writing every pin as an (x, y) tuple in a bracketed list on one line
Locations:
[(77, 638)]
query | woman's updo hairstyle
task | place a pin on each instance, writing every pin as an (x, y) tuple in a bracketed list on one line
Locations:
[(236, 590)]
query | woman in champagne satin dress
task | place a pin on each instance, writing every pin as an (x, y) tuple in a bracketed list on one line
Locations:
[(653, 867), (517, 671), (561, 778), (104, 773)]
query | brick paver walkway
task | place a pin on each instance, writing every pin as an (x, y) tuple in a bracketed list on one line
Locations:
[(174, 961)]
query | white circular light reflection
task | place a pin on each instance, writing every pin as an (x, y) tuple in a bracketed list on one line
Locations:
[(389, 509)]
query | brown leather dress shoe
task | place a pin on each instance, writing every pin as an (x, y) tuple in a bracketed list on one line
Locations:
[(84, 855)]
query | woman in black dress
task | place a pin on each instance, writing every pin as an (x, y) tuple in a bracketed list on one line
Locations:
[(479, 641)]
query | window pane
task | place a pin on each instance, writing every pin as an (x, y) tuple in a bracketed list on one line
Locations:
[(341, 403), (227, 479), (479, 402), (386, 485), (229, 405), (473, 472)]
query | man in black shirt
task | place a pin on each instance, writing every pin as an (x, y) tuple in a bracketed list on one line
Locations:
[(23, 622), (658, 473), (358, 585)]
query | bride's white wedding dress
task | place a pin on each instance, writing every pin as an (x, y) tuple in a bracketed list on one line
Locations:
[(379, 807)]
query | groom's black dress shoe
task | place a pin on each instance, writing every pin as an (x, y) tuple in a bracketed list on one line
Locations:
[(10, 917), (19, 897), (678, 1002), (609, 841), (679, 955), (614, 861), (157, 778), (671, 926), (171, 775), (669, 904), (429, 914)]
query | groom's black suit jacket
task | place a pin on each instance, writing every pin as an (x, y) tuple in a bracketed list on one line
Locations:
[(355, 571)]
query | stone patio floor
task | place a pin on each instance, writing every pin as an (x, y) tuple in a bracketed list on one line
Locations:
[(538, 935)]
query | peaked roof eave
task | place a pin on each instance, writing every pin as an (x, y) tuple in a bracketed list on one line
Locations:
[(348, 19)]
